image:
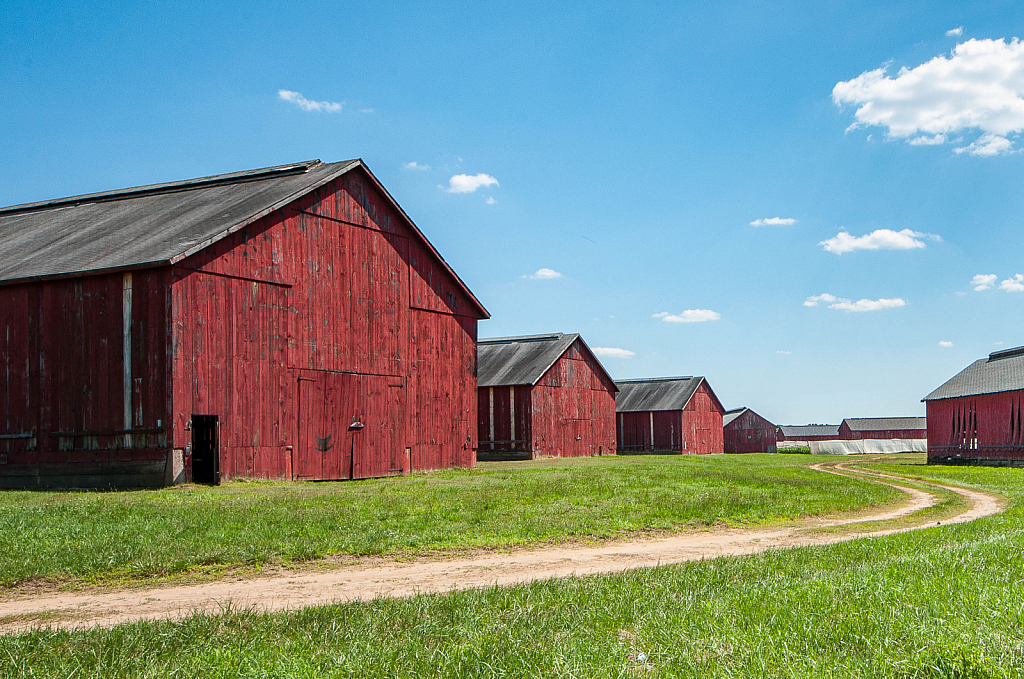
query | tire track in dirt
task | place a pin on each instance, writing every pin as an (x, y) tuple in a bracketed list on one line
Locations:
[(362, 582)]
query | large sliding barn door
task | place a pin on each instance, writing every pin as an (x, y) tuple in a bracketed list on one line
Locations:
[(350, 426)]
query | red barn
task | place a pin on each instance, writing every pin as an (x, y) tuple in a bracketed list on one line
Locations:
[(669, 415), (744, 431), (975, 417), (543, 396), (287, 322), (855, 428)]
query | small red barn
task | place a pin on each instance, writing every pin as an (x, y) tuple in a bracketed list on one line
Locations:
[(286, 322), (744, 431), (975, 417), (855, 428), (668, 415), (543, 396)]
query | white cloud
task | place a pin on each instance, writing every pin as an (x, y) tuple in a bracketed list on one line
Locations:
[(491, 200), (925, 140), (983, 281), (689, 316), (413, 165), (945, 345), (860, 305), (784, 353), (979, 87), (773, 221), (613, 352), (367, 110), (880, 239), (543, 275), (466, 183), (955, 32), (308, 104), (987, 145), (1015, 284)]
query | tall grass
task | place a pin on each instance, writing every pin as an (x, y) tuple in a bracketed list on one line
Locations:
[(140, 534), (941, 602)]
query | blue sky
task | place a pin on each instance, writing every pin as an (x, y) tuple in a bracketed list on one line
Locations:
[(631, 146)]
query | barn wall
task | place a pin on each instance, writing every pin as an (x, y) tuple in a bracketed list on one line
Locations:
[(63, 401), (984, 429), (847, 434), (336, 283), (573, 408), (702, 423), (749, 433)]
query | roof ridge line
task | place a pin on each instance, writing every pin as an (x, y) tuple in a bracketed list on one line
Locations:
[(166, 187)]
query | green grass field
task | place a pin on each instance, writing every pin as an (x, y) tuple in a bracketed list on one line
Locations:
[(129, 536), (942, 602)]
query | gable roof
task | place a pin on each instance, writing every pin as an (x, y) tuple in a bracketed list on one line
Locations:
[(658, 393), (731, 415), (789, 430), (882, 423), (161, 224), (524, 359), (1001, 371)]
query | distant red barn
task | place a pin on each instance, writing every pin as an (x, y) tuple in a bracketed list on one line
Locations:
[(856, 428), (543, 396), (744, 431), (287, 322), (668, 414), (975, 417)]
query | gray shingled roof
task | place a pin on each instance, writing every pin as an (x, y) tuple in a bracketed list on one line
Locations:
[(789, 430), (1001, 371), (157, 224), (154, 224), (508, 361), (657, 393), (881, 423), (731, 415)]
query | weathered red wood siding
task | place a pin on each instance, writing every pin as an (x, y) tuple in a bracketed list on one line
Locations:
[(984, 429), (847, 434), (62, 381), (696, 429), (573, 408), (326, 313), (749, 433)]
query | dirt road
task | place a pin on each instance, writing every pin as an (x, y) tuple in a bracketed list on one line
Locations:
[(298, 589)]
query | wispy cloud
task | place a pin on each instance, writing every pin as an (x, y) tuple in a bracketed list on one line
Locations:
[(945, 345), (880, 239), (844, 304), (308, 104), (983, 281), (773, 221), (955, 32), (987, 145), (689, 316), (613, 352), (468, 183), (783, 352), (491, 200), (543, 275), (1015, 284), (978, 87), (413, 165)]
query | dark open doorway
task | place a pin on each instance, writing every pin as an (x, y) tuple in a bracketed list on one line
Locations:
[(205, 454)]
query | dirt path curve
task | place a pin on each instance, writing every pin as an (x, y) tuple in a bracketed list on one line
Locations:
[(298, 589)]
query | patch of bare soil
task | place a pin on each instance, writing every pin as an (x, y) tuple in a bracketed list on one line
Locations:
[(382, 578)]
